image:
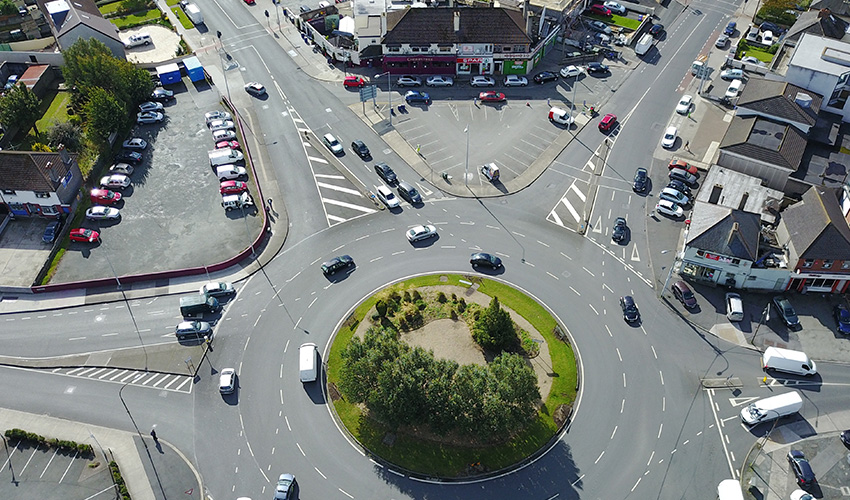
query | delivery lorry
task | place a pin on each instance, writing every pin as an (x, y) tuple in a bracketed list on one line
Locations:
[(765, 410), (644, 43), (308, 362), (195, 306), (194, 13), (786, 360)]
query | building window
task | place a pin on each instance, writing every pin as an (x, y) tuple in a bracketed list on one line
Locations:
[(42, 194), (808, 262), (393, 49), (8, 191), (827, 264), (519, 48), (51, 210)]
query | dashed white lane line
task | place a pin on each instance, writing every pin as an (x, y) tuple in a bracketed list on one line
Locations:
[(615, 429), (599, 457), (299, 449)]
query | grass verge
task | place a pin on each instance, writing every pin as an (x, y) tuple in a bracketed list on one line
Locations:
[(136, 19), (438, 459), (181, 16)]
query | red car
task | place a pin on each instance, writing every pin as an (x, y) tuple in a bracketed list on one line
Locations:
[(83, 234), (683, 165), (491, 95), (104, 196), (227, 144), (250, 2), (233, 187), (600, 10), (353, 81), (608, 121)]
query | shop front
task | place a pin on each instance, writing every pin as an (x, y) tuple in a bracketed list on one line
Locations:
[(474, 66), (419, 65), (818, 283)]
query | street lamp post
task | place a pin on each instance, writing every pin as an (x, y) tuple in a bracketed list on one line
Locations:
[(389, 93), (221, 58), (466, 170)]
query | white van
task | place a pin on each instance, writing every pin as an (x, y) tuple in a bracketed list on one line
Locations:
[(194, 13), (308, 362), (765, 410), (786, 360), (644, 44), (230, 172), (734, 307), (224, 156), (729, 489)]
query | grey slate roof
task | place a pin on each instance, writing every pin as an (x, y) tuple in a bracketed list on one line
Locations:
[(83, 12), (778, 99), (818, 23), (713, 230), (746, 135), (478, 25), (839, 7), (29, 171), (817, 227)]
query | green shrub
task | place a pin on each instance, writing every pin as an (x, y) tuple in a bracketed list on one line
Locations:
[(441, 298), (416, 295), (381, 308), (406, 296)]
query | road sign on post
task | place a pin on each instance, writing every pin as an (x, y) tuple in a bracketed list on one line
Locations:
[(367, 93)]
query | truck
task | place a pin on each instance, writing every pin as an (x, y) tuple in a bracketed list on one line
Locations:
[(765, 410), (308, 362), (786, 360), (194, 13), (491, 172), (644, 43), (195, 306), (224, 156)]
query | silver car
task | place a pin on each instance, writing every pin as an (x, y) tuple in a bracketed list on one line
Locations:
[(223, 135), (332, 143), (417, 233), (439, 81), (217, 115), (515, 81), (150, 106), (115, 181), (482, 81), (121, 168), (221, 125), (149, 117), (408, 81), (217, 288), (135, 143), (98, 212)]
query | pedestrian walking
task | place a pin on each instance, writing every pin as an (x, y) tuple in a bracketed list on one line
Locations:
[(548, 103), (688, 146), (153, 435), (270, 203)]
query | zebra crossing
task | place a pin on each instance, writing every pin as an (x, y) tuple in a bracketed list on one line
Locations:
[(139, 378)]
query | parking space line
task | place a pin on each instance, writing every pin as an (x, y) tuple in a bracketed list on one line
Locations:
[(55, 452)]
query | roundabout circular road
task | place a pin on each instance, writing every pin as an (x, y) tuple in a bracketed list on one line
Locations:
[(639, 404)]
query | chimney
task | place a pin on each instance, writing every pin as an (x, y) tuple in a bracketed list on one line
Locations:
[(457, 21), (63, 153), (732, 233), (824, 13)]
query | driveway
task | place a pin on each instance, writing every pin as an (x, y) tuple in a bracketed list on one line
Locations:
[(22, 253), (163, 48)]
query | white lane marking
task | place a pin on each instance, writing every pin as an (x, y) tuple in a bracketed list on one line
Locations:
[(339, 188), (299, 449), (651, 456), (320, 473), (615, 430), (618, 354), (599, 457)]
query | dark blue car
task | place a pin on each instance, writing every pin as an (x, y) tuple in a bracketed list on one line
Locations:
[(417, 96), (842, 319), (50, 232), (730, 28)]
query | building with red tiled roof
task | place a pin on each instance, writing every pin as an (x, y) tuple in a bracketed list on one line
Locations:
[(39, 184)]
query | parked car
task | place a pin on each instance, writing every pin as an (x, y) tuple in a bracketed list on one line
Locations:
[(221, 125), (721, 41), (99, 212), (482, 81), (408, 81), (683, 293), (104, 196), (227, 145), (422, 232), (786, 311), (217, 115), (545, 76), (162, 95), (486, 260), (680, 187), (515, 81), (332, 144), (150, 106), (83, 234), (223, 135), (121, 168), (615, 7), (656, 30), (255, 89), (752, 60), (772, 27), (491, 96), (730, 28), (666, 207), (845, 437), (685, 105), (337, 263), (51, 231), (630, 310), (618, 233), (135, 143), (608, 122), (217, 288), (731, 74), (677, 174), (641, 180), (439, 81), (148, 117), (386, 173), (387, 197), (115, 181), (560, 115), (233, 187), (842, 319), (353, 81), (683, 165), (599, 10), (669, 138), (360, 149), (600, 27), (417, 96), (570, 71), (596, 68), (801, 468), (128, 156), (734, 89)]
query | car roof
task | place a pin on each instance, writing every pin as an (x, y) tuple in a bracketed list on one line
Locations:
[(384, 190)]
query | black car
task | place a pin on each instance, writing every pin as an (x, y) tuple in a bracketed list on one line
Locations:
[(50, 232), (630, 310), (162, 95), (641, 180), (682, 292), (337, 263), (656, 30), (619, 232), (545, 76), (128, 156), (845, 437), (361, 149), (385, 172), (842, 319), (596, 68), (680, 187), (802, 470), (485, 259)]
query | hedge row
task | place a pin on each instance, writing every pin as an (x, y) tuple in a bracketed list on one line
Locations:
[(119, 480), (22, 435)]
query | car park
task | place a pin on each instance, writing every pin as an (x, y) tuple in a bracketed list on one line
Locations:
[(842, 319), (608, 122), (104, 196), (486, 260), (387, 197), (135, 143), (332, 144), (216, 115), (685, 105), (669, 138), (409, 193), (683, 293), (353, 81), (51, 231), (227, 145), (721, 41), (115, 181), (221, 125), (596, 68), (128, 156), (734, 89), (147, 117), (599, 10), (560, 115), (337, 263), (630, 310), (618, 233), (162, 95), (121, 168), (545, 76), (386, 173), (223, 135), (360, 149), (491, 96), (233, 187), (482, 81), (255, 89), (83, 234), (417, 96), (439, 81), (283, 489), (227, 381), (515, 81), (656, 30), (422, 232), (641, 180), (731, 74), (669, 209), (150, 106), (230, 172), (676, 197), (786, 311), (217, 288), (99, 212), (408, 81), (615, 7), (570, 71), (801, 468), (730, 28)]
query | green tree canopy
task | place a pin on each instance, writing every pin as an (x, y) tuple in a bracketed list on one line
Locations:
[(89, 65), (494, 329), (66, 133), (104, 114), (20, 106)]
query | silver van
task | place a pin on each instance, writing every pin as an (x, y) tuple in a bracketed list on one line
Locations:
[(734, 307)]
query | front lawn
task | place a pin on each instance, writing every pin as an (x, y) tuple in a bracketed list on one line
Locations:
[(136, 19), (57, 109), (616, 20)]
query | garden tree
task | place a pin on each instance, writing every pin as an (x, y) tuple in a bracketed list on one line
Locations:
[(66, 133), (8, 8), (494, 329), (104, 114), (775, 10), (21, 106), (363, 361), (90, 65), (467, 403)]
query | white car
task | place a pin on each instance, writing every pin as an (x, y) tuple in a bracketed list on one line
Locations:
[(98, 212), (221, 125), (685, 104), (223, 135), (734, 88), (332, 143), (669, 208), (387, 197), (801, 495), (560, 115), (217, 288), (121, 168), (115, 181), (669, 139), (150, 106), (721, 42), (439, 81), (408, 81), (417, 233), (570, 71), (482, 81), (767, 38), (216, 115), (135, 143), (515, 81), (616, 8), (227, 381), (149, 117)]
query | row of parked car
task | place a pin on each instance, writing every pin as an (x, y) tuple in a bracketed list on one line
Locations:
[(677, 194), (232, 178)]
